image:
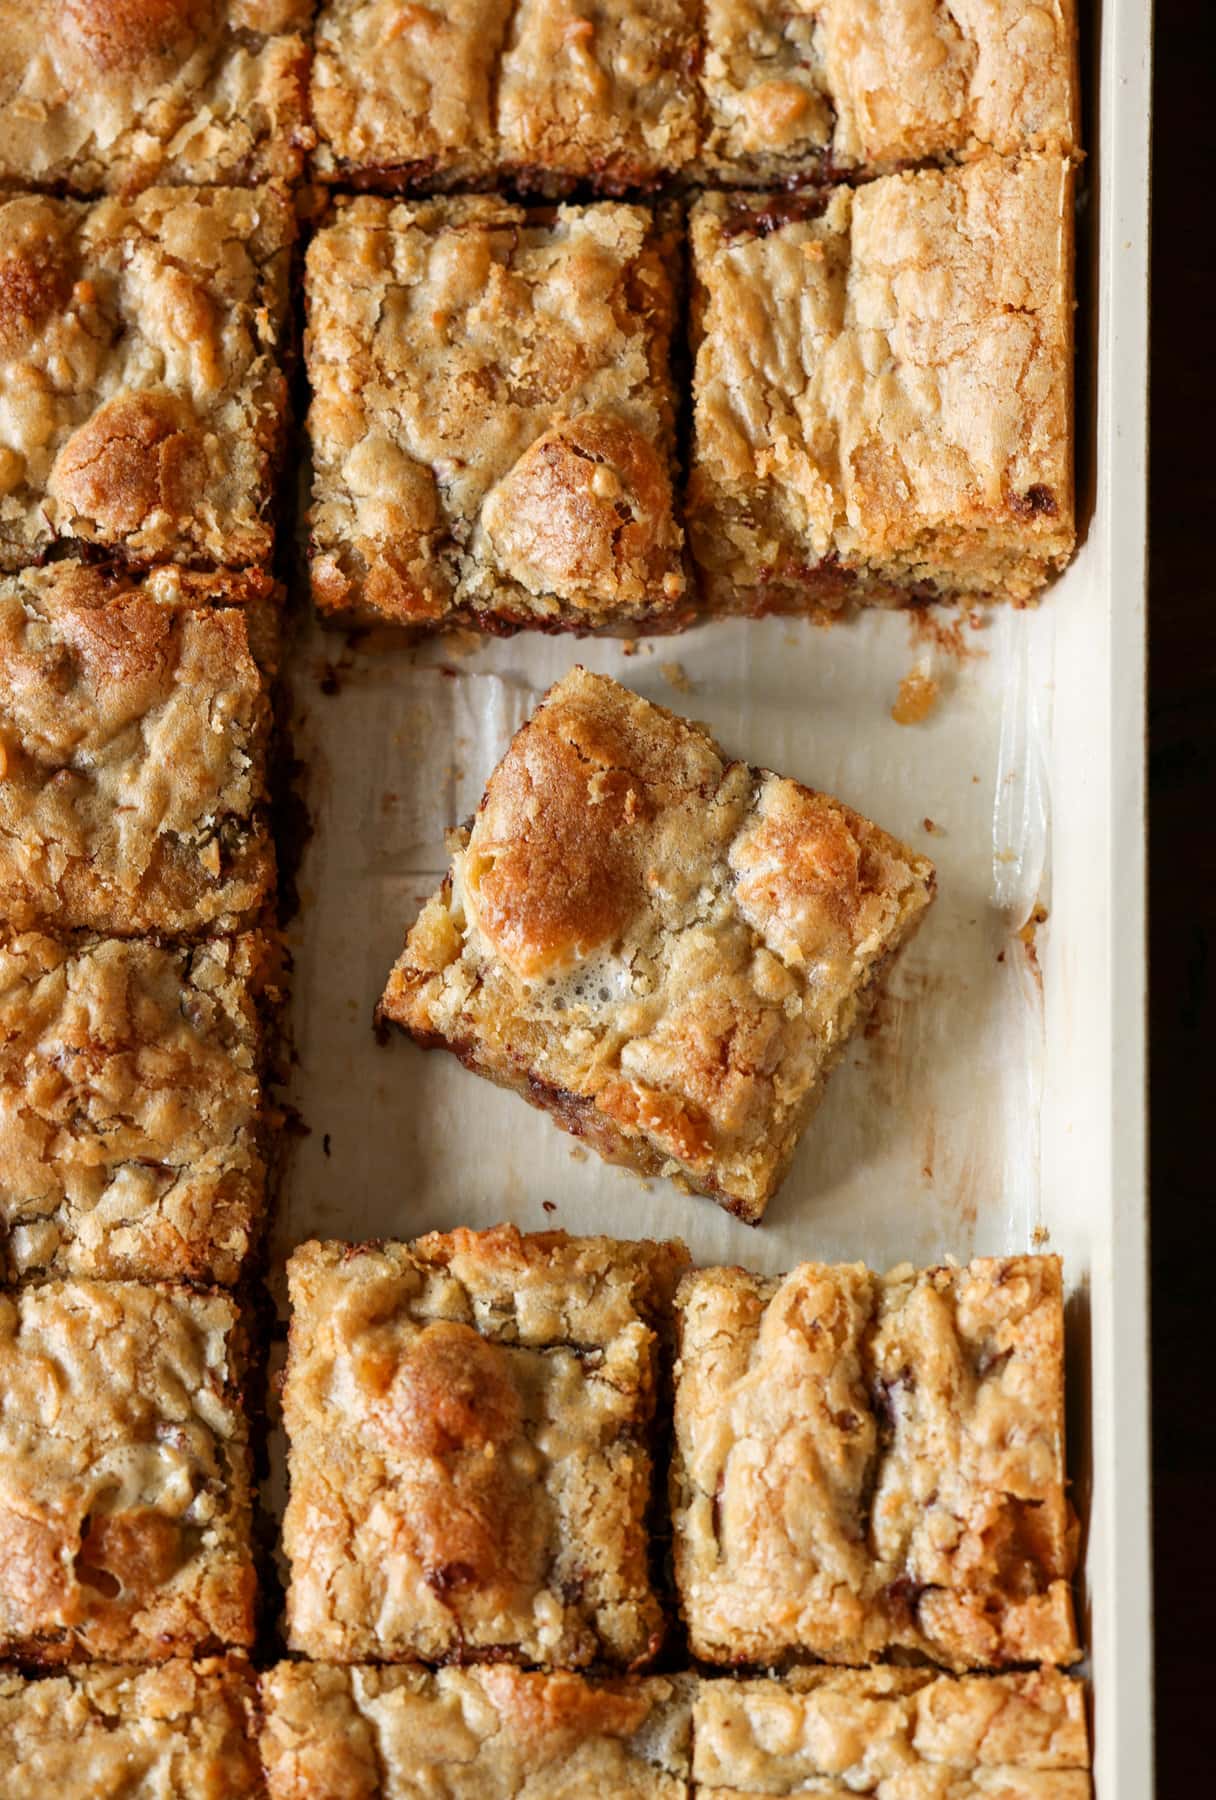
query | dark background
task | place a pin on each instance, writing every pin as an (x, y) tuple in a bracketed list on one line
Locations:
[(1182, 894)]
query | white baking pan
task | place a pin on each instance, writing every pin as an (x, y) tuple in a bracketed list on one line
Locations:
[(998, 1102)]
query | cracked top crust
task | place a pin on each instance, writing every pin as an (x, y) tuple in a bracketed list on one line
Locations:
[(875, 83), (488, 1733), (406, 92), (599, 90), (112, 95), (133, 726), (676, 943), (124, 1490), (470, 1473), (883, 385), (176, 1731), (141, 405), (129, 1106), (892, 1732), (492, 413), (866, 1463)]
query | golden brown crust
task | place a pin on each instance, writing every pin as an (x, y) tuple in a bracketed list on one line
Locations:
[(665, 949), (179, 1730), (139, 347), (492, 1733), (467, 1421), (815, 85), (129, 1107), (124, 1503), (133, 728), (404, 93), (492, 415), (889, 1732), (598, 90), (113, 95), (883, 389), (865, 1464)]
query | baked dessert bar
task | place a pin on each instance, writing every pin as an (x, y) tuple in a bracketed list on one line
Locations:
[(492, 416), (883, 389), (493, 1733), (601, 92), (141, 401), (403, 96), (130, 1106), (870, 1463), (468, 1422), (598, 93), (665, 949), (803, 89), (176, 1730), (124, 1492), (110, 95), (133, 727), (898, 1734)]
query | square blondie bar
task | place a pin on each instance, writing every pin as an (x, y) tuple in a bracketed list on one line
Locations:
[(865, 1464), (112, 95), (665, 949), (883, 390), (803, 89), (178, 1730), (599, 92), (124, 1499), (130, 1106), (468, 1421), (893, 1733), (133, 727), (492, 416), (142, 404), (489, 1733)]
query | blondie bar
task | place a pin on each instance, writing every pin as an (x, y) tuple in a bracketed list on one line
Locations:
[(133, 727), (175, 1731), (403, 96), (468, 1421), (808, 87), (898, 1734), (130, 1106), (492, 415), (665, 949), (883, 389), (110, 95), (488, 1733), (865, 1463), (124, 1492), (601, 92), (141, 401)]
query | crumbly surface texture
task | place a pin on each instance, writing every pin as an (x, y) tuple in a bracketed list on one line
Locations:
[(815, 86), (404, 95), (468, 1421), (124, 1487), (894, 1734), (130, 1106), (665, 949), (133, 728), (591, 92), (599, 91), (111, 95), (864, 1464), (883, 389), (141, 401), (492, 415), (179, 1730), (489, 1733)]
